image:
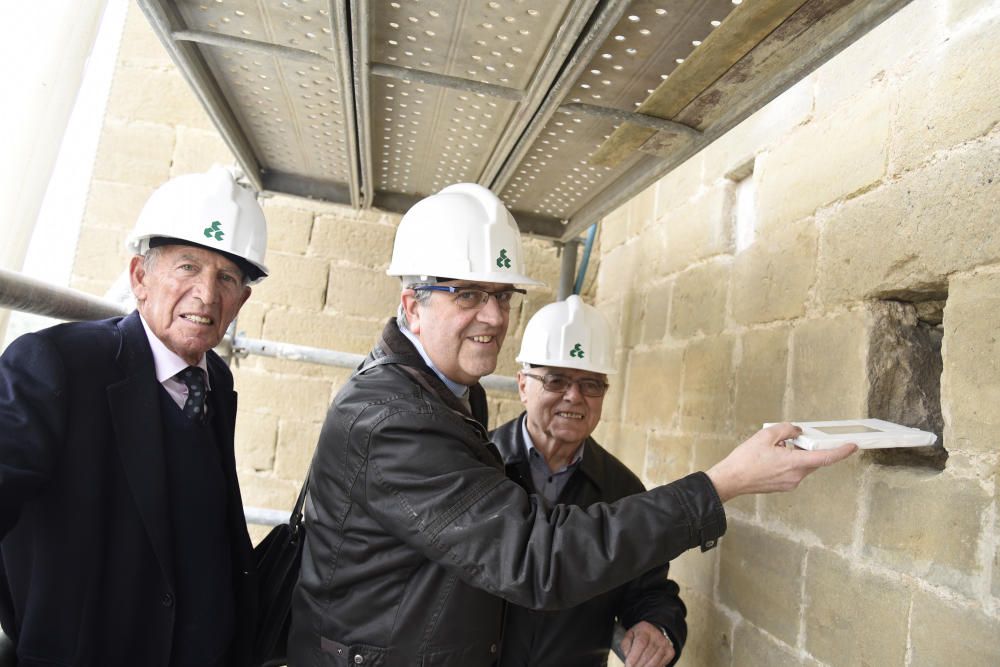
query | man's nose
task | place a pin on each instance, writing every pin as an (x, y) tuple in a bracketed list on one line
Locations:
[(491, 312), (573, 393), (206, 288)]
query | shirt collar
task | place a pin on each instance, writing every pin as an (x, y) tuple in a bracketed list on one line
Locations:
[(460, 390), (166, 362), (529, 446)]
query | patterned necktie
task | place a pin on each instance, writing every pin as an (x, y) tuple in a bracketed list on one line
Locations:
[(194, 406)]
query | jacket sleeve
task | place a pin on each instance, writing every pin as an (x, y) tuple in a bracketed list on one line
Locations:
[(433, 488), (32, 422)]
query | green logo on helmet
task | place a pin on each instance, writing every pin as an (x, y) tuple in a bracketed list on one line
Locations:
[(577, 351), (503, 261), (214, 231)]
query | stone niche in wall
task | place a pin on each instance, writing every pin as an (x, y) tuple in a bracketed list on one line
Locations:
[(904, 373)]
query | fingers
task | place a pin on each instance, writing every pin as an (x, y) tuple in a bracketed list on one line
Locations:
[(783, 431), (627, 641), (824, 457), (649, 648)]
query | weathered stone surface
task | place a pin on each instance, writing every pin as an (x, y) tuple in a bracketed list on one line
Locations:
[(695, 571), (652, 389), (359, 291), (297, 441), (962, 633), (760, 379), (706, 396), (139, 45), (155, 96), (197, 150), (824, 505), (751, 646), (300, 398), (926, 524), (100, 254), (860, 132), (773, 276), (680, 185), (262, 490), (668, 458), (642, 211), (288, 227), (256, 435), (710, 634), (948, 97), (853, 617), (656, 309), (970, 383), (250, 320), (115, 205), (699, 229), (295, 281), (904, 371), (332, 332), (760, 576), (618, 270), (904, 238), (699, 300), (828, 369), (613, 229), (132, 153), (342, 236), (709, 450)]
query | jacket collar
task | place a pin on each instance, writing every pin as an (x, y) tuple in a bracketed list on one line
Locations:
[(509, 439), (393, 343)]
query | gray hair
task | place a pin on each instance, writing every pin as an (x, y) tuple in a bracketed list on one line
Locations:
[(422, 297)]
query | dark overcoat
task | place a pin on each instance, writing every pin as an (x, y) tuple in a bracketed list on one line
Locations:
[(86, 572)]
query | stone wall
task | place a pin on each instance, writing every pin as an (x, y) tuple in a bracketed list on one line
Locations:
[(877, 199)]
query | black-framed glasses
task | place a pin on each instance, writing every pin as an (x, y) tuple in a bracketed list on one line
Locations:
[(560, 384), (470, 297)]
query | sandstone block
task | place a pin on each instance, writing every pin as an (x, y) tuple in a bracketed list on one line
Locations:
[(930, 223), (289, 227), (618, 270), (295, 281), (256, 435), (772, 277), (710, 633), (197, 150), (701, 228), (760, 577), (161, 97), (699, 300), (926, 524), (261, 490), (709, 450), (760, 379), (296, 444), (656, 309), (753, 647), (643, 211), (115, 205), (613, 228), (250, 320), (286, 397), (824, 505), (668, 458), (139, 46), (100, 254), (706, 397), (970, 382), (853, 617), (948, 98), (342, 236), (361, 292), (828, 378), (860, 133), (653, 386), (331, 332), (543, 262), (695, 571), (963, 634), (676, 188), (134, 153)]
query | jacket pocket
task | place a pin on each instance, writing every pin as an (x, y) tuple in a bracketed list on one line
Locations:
[(353, 655)]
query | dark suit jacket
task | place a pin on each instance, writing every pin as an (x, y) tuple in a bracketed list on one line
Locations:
[(86, 574)]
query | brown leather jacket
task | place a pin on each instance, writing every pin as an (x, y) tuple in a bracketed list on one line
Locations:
[(415, 535)]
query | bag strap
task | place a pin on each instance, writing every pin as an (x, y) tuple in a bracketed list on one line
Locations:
[(295, 520)]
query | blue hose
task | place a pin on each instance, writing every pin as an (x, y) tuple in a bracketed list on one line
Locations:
[(582, 273)]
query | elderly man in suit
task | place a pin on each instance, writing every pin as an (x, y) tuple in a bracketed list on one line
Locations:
[(123, 536)]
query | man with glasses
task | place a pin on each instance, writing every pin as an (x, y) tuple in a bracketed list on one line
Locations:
[(414, 534), (567, 353)]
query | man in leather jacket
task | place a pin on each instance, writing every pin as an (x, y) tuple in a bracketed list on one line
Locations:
[(568, 352), (414, 534)]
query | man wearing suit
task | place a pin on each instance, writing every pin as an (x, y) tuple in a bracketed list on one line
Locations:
[(123, 535), (567, 353)]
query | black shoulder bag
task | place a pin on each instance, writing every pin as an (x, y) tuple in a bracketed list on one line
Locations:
[(278, 558)]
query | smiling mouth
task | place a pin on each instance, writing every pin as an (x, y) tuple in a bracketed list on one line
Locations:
[(197, 319), (483, 339), (570, 415)]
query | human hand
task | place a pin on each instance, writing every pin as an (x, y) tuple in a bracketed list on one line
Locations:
[(762, 464), (645, 645)]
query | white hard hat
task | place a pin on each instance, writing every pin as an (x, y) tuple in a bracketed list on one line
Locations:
[(569, 334), (463, 232), (209, 210)]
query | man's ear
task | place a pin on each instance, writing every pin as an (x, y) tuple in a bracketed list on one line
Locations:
[(411, 308), (137, 277), (522, 387)]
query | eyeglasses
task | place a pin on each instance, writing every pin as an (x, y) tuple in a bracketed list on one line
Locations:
[(560, 384), (470, 298)]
